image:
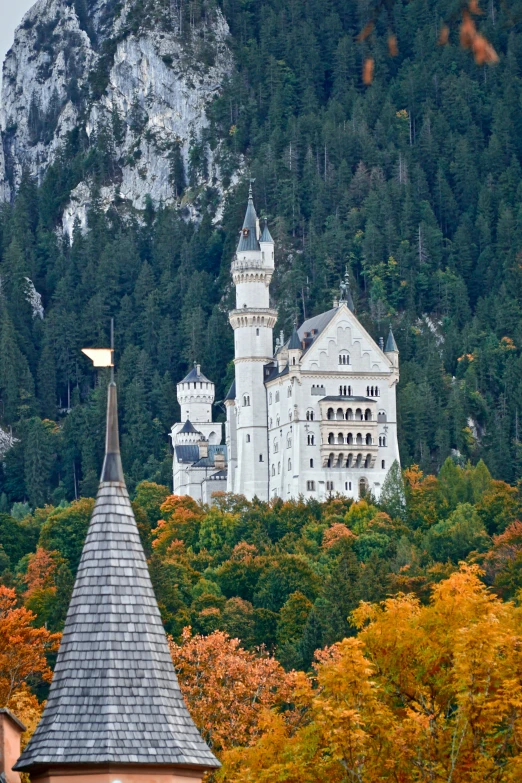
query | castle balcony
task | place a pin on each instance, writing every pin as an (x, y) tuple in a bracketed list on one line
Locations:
[(348, 458), (352, 411)]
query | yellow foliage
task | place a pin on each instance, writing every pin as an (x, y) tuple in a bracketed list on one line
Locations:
[(423, 693)]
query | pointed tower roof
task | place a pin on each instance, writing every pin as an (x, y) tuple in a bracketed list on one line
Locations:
[(391, 345), (249, 239), (295, 342), (115, 698), (189, 429), (196, 375), (266, 236)]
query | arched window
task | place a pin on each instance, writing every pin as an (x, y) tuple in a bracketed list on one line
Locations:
[(349, 439), (384, 440), (358, 414), (246, 401), (359, 439), (331, 438), (349, 414), (248, 438), (383, 464), (257, 332), (311, 463), (367, 415), (368, 461), (381, 416), (330, 414), (344, 358), (340, 414), (276, 447), (368, 440), (289, 464), (368, 391), (340, 438), (273, 470), (311, 440), (260, 458), (289, 442)]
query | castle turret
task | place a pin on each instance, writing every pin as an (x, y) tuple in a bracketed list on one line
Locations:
[(196, 395), (391, 349), (253, 321)]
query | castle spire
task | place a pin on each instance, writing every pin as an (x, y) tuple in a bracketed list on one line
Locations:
[(115, 698), (249, 240), (346, 293)]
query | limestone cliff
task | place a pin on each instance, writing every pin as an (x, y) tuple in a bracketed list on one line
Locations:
[(138, 75)]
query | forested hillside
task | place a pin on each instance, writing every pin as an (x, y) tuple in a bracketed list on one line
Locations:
[(413, 182)]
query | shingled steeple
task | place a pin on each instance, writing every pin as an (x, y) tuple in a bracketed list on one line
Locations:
[(114, 702), (249, 233)]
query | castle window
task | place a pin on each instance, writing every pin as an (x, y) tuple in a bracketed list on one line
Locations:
[(367, 415), (289, 464), (246, 401), (344, 358), (330, 414), (329, 486), (348, 485), (257, 332), (248, 438), (309, 415), (311, 463), (289, 391), (270, 398), (273, 470), (368, 440), (289, 442), (260, 458), (279, 467), (293, 359), (383, 464), (276, 447), (310, 486), (277, 396), (311, 440), (381, 416)]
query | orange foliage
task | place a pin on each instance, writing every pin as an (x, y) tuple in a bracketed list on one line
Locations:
[(40, 571), (23, 648), (444, 35), (227, 688), (336, 533), (470, 38), (181, 517), (424, 693)]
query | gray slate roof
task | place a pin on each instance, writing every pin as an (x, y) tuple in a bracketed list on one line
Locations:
[(231, 392), (295, 342), (248, 240), (391, 345), (194, 375), (190, 455), (115, 697), (188, 429), (266, 236)]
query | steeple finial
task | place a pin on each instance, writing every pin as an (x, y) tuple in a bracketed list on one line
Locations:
[(251, 189), (346, 294)]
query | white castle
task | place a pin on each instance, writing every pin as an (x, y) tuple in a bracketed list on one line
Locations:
[(316, 418)]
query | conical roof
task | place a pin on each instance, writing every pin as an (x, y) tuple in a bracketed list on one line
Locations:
[(266, 236), (295, 342), (196, 375), (248, 239), (115, 698), (189, 429), (391, 345)]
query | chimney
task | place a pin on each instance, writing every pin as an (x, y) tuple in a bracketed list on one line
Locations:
[(219, 461), (381, 343), (198, 369), (203, 449), (11, 730)]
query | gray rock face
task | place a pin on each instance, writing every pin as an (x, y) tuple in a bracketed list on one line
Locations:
[(145, 80)]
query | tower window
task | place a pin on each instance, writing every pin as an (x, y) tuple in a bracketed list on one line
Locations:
[(311, 463), (248, 438), (289, 464), (246, 401), (260, 458), (311, 440), (383, 464), (257, 332)]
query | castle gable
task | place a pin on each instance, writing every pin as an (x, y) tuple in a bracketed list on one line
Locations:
[(341, 343)]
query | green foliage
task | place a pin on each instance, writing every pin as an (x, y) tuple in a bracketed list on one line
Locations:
[(458, 535)]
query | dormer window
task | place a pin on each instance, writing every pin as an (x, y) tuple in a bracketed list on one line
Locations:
[(246, 232)]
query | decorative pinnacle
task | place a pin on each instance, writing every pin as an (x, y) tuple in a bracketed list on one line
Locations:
[(251, 189)]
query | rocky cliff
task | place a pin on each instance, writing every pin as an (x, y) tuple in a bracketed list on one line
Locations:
[(134, 77)]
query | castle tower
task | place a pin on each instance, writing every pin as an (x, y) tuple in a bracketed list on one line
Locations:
[(253, 322), (196, 395)]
